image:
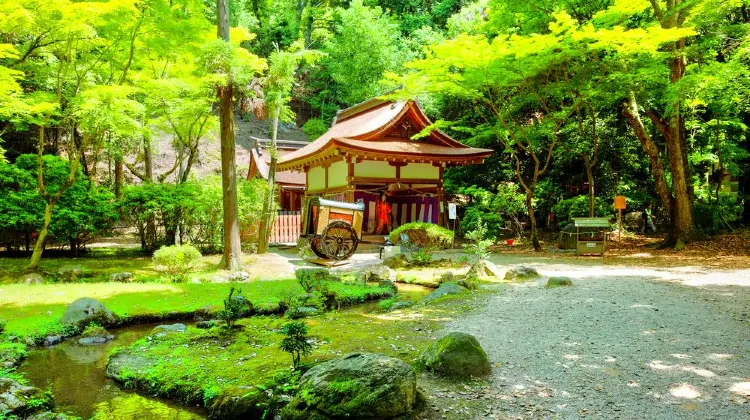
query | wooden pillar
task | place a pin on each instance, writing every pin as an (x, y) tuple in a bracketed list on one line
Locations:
[(441, 205)]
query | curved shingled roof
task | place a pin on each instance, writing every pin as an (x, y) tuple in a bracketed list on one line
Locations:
[(365, 130)]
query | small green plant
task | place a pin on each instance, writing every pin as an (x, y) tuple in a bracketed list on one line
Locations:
[(386, 304), (420, 257), (295, 341), (94, 330), (480, 241), (176, 260), (235, 306), (3, 323)]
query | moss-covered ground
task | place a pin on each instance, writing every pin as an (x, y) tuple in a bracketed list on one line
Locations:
[(227, 369)]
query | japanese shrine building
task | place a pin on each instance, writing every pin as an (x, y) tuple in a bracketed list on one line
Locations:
[(368, 150), (291, 183)]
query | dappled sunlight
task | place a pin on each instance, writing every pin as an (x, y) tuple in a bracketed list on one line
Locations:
[(572, 356), (23, 295), (720, 356), (698, 371), (659, 365), (684, 390), (741, 388), (680, 356)]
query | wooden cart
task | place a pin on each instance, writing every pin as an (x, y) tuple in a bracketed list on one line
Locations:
[(333, 227)]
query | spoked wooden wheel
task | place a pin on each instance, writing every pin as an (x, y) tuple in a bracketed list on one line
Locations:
[(317, 247), (339, 240)]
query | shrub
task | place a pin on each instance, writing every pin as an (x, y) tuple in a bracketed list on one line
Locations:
[(480, 241), (579, 207), (314, 128), (176, 260), (495, 209), (386, 304), (235, 306), (295, 341), (3, 323), (420, 257), (423, 235)]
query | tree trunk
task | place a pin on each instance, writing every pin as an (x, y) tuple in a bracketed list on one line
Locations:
[(532, 217), (119, 176), (630, 111), (266, 221), (231, 259), (36, 256), (590, 177)]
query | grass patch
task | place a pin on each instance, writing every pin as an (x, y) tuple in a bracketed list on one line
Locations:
[(229, 372)]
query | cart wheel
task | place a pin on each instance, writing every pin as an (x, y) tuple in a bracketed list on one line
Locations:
[(317, 247), (339, 240)]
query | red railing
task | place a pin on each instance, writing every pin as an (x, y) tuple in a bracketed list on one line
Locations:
[(286, 228)]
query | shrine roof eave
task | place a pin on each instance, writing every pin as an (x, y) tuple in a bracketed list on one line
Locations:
[(395, 151)]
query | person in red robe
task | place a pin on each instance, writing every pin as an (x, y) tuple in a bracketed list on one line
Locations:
[(383, 211)]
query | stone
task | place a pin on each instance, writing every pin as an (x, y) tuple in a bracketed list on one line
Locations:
[(164, 330), (302, 312), (457, 355), (195, 280), (69, 273), (32, 278), (312, 274), (401, 305), (376, 274), (51, 340), (559, 281), (484, 270), (124, 277), (9, 364), (357, 386), (15, 398), (204, 313), (48, 415), (445, 289), (97, 339), (446, 277), (396, 261), (86, 310), (239, 276), (207, 325), (521, 273)]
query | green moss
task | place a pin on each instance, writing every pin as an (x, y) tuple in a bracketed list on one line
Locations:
[(423, 235)]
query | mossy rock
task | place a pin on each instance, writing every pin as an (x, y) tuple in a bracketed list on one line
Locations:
[(85, 310), (21, 400), (396, 261), (559, 281), (457, 355), (357, 386), (521, 273), (445, 289)]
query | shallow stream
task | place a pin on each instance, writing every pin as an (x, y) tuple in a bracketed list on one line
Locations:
[(76, 376)]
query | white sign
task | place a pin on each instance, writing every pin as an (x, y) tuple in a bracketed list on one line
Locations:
[(452, 211), (590, 245)]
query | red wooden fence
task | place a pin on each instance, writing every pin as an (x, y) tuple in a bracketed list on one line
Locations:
[(286, 228)]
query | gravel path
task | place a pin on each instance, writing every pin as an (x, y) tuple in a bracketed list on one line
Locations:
[(625, 348)]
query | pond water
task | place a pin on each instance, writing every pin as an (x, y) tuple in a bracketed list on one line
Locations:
[(76, 375)]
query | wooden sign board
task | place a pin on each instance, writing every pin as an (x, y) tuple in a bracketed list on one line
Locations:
[(620, 202)]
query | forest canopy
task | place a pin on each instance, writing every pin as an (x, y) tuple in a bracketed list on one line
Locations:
[(580, 100)]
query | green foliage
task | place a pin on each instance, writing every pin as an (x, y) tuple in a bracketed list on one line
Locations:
[(578, 206), (386, 304), (423, 235), (480, 240), (420, 257), (176, 260), (496, 210), (83, 211), (296, 341), (314, 128), (93, 330), (2, 326), (235, 307)]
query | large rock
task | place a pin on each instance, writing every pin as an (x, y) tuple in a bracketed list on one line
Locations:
[(86, 310), (376, 273), (21, 400), (457, 354), (124, 277), (48, 415), (521, 273), (164, 330), (559, 281), (396, 261), (483, 270), (356, 386), (445, 289), (32, 278), (69, 273)]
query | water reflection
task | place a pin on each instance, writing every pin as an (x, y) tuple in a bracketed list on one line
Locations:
[(76, 375)]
